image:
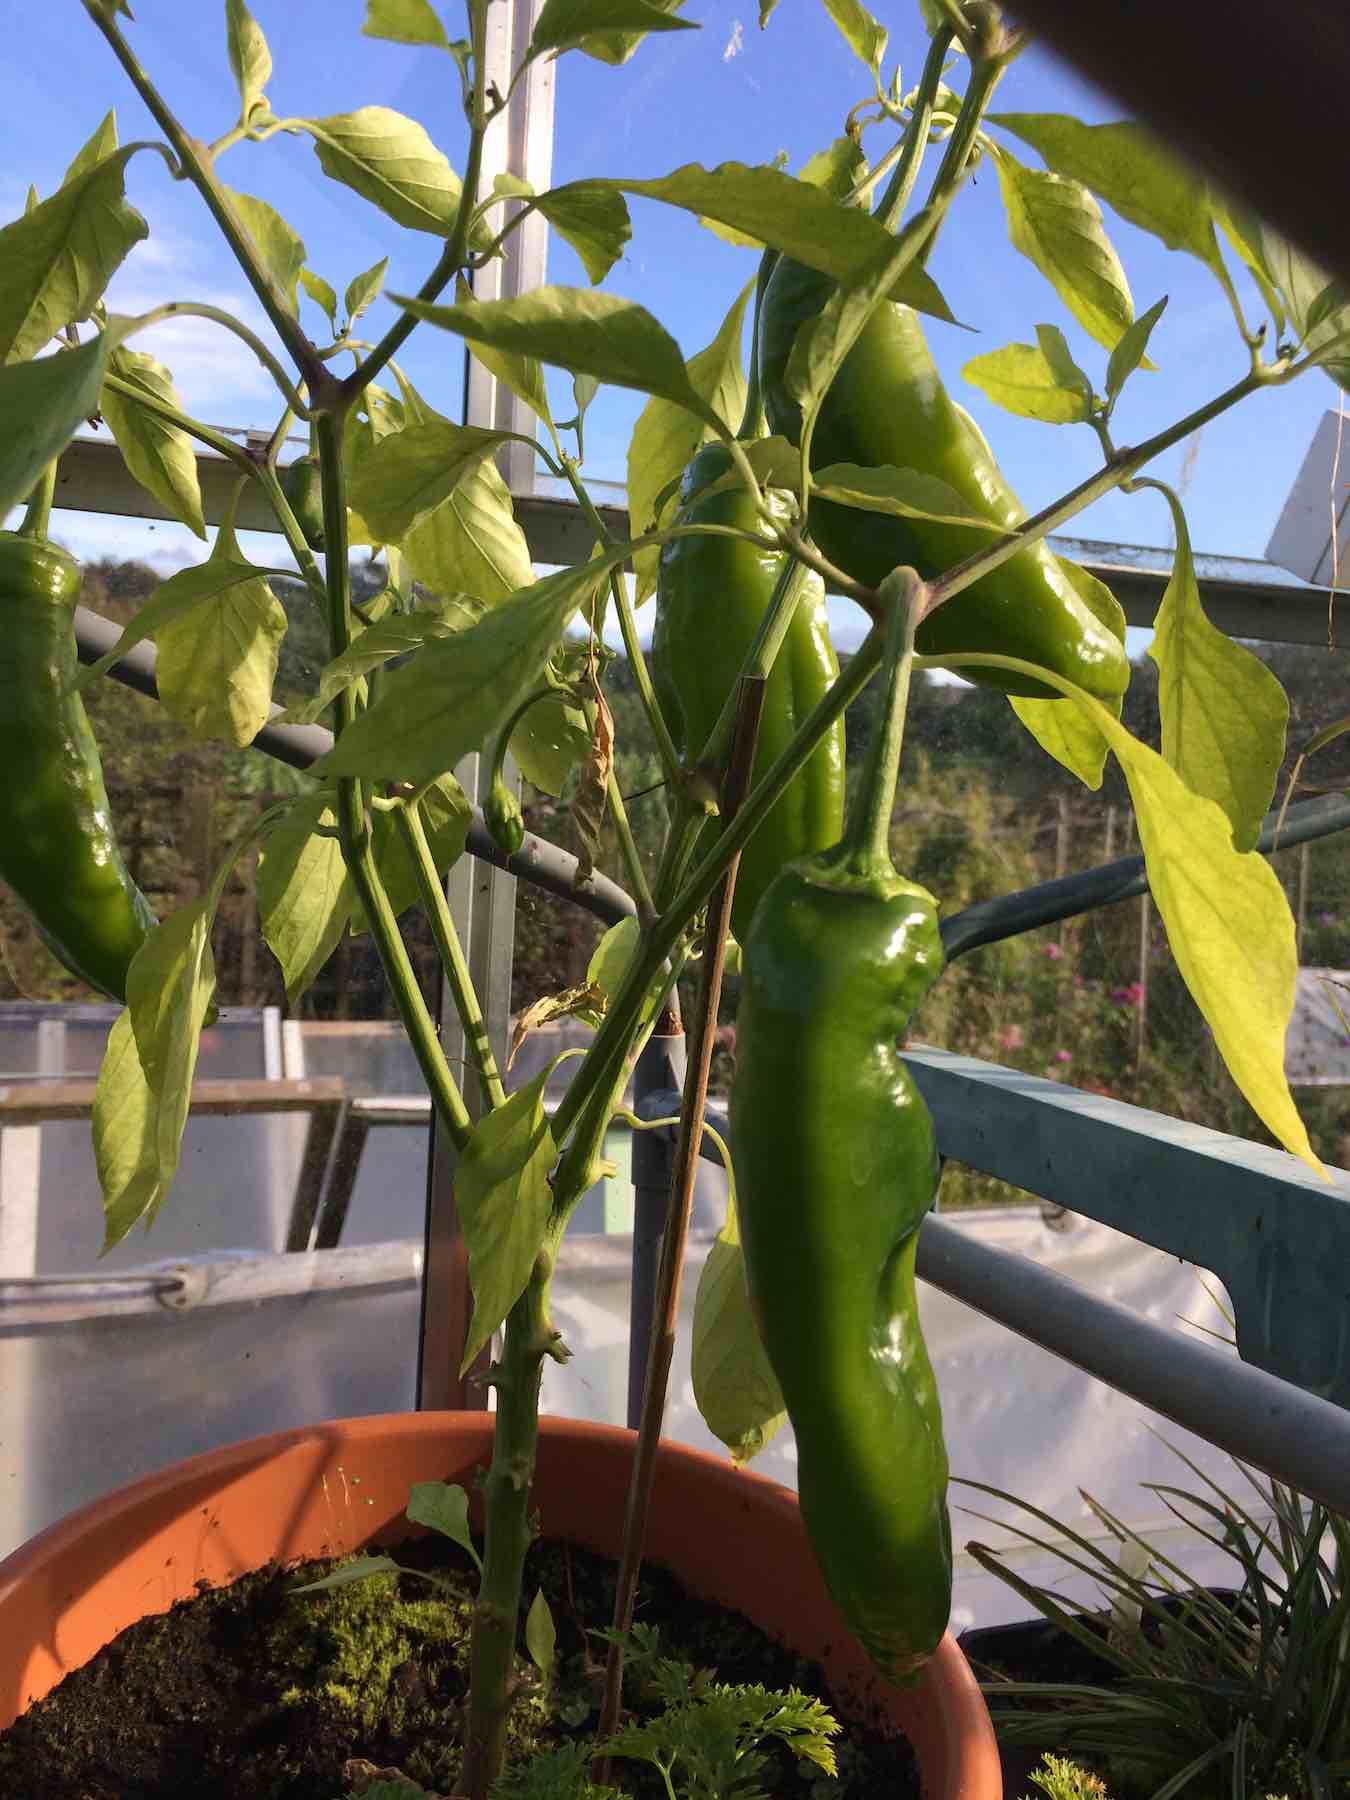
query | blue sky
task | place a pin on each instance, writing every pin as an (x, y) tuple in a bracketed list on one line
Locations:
[(725, 91)]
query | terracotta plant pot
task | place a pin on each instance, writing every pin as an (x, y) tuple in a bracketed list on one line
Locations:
[(729, 1535)]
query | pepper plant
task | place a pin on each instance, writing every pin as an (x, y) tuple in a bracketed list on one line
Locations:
[(840, 464)]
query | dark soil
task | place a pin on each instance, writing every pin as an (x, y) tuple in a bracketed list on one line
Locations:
[(251, 1693)]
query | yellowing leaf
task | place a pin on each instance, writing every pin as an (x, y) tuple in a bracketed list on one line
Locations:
[(736, 1389)]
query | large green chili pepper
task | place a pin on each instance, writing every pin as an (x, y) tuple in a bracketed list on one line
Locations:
[(836, 1166), (58, 850), (711, 594), (887, 407)]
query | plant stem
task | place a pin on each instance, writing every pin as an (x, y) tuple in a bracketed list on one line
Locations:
[(195, 159), (353, 820), (632, 859), (194, 309), (214, 440), (901, 185), (451, 258), (409, 821), (749, 706), (986, 71), (867, 841), (38, 515), (529, 1337), (772, 629)]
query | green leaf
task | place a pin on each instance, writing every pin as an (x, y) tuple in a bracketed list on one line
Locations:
[(549, 742), (443, 1506), (794, 216), (1128, 168), (1062, 731), (1055, 349), (615, 47), (397, 635), (1129, 352), (99, 147), (321, 294), (471, 543), (569, 24), (217, 659), (281, 250), (1317, 309), (362, 290), (56, 261), (447, 700), (1021, 379), (1057, 225), (593, 218), (389, 160), (1227, 919), (1243, 230), (446, 817), (522, 372), (611, 957), (1224, 714), (590, 333), (412, 472), (905, 493), (405, 22), (360, 1568), (541, 1635), (861, 32), (836, 169), (250, 59), (43, 404), (735, 1387), (667, 434), (504, 1200), (305, 895), (125, 1137), (189, 588), (157, 454)]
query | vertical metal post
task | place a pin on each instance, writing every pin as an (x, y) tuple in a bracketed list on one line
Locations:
[(660, 1069), (482, 898)]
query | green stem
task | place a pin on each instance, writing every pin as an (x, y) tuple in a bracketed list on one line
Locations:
[(772, 629), (666, 752), (408, 818), (354, 822), (451, 259), (528, 1338), (986, 71), (214, 440), (266, 476), (1125, 464), (38, 516), (665, 935), (901, 185), (195, 159), (632, 859), (193, 309), (752, 418), (867, 841)]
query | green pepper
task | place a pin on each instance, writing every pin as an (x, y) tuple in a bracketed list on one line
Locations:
[(711, 594), (887, 407), (302, 485), (58, 850), (836, 1165)]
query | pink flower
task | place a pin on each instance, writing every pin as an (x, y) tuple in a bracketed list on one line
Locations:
[(1013, 1038), (1063, 1056), (1078, 981), (1052, 951), (1132, 995)]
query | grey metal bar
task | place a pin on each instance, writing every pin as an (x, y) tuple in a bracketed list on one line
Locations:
[(344, 1168), (658, 1082), (537, 861), (1292, 1435), (990, 921), (309, 1183)]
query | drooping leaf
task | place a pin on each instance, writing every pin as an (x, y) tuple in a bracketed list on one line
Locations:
[(305, 895), (616, 47), (43, 404), (906, 493), (521, 371), (447, 700), (593, 219), (443, 1506), (379, 643), (666, 435), (250, 59), (1128, 168), (1021, 379), (281, 249), (389, 160), (1224, 713), (861, 32), (1064, 732), (550, 740), (735, 1388), (541, 1635), (471, 543), (587, 1003), (1317, 309), (157, 453), (611, 957), (503, 1197), (590, 800), (575, 24), (1057, 225), (56, 261), (405, 22), (216, 661), (412, 472)]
